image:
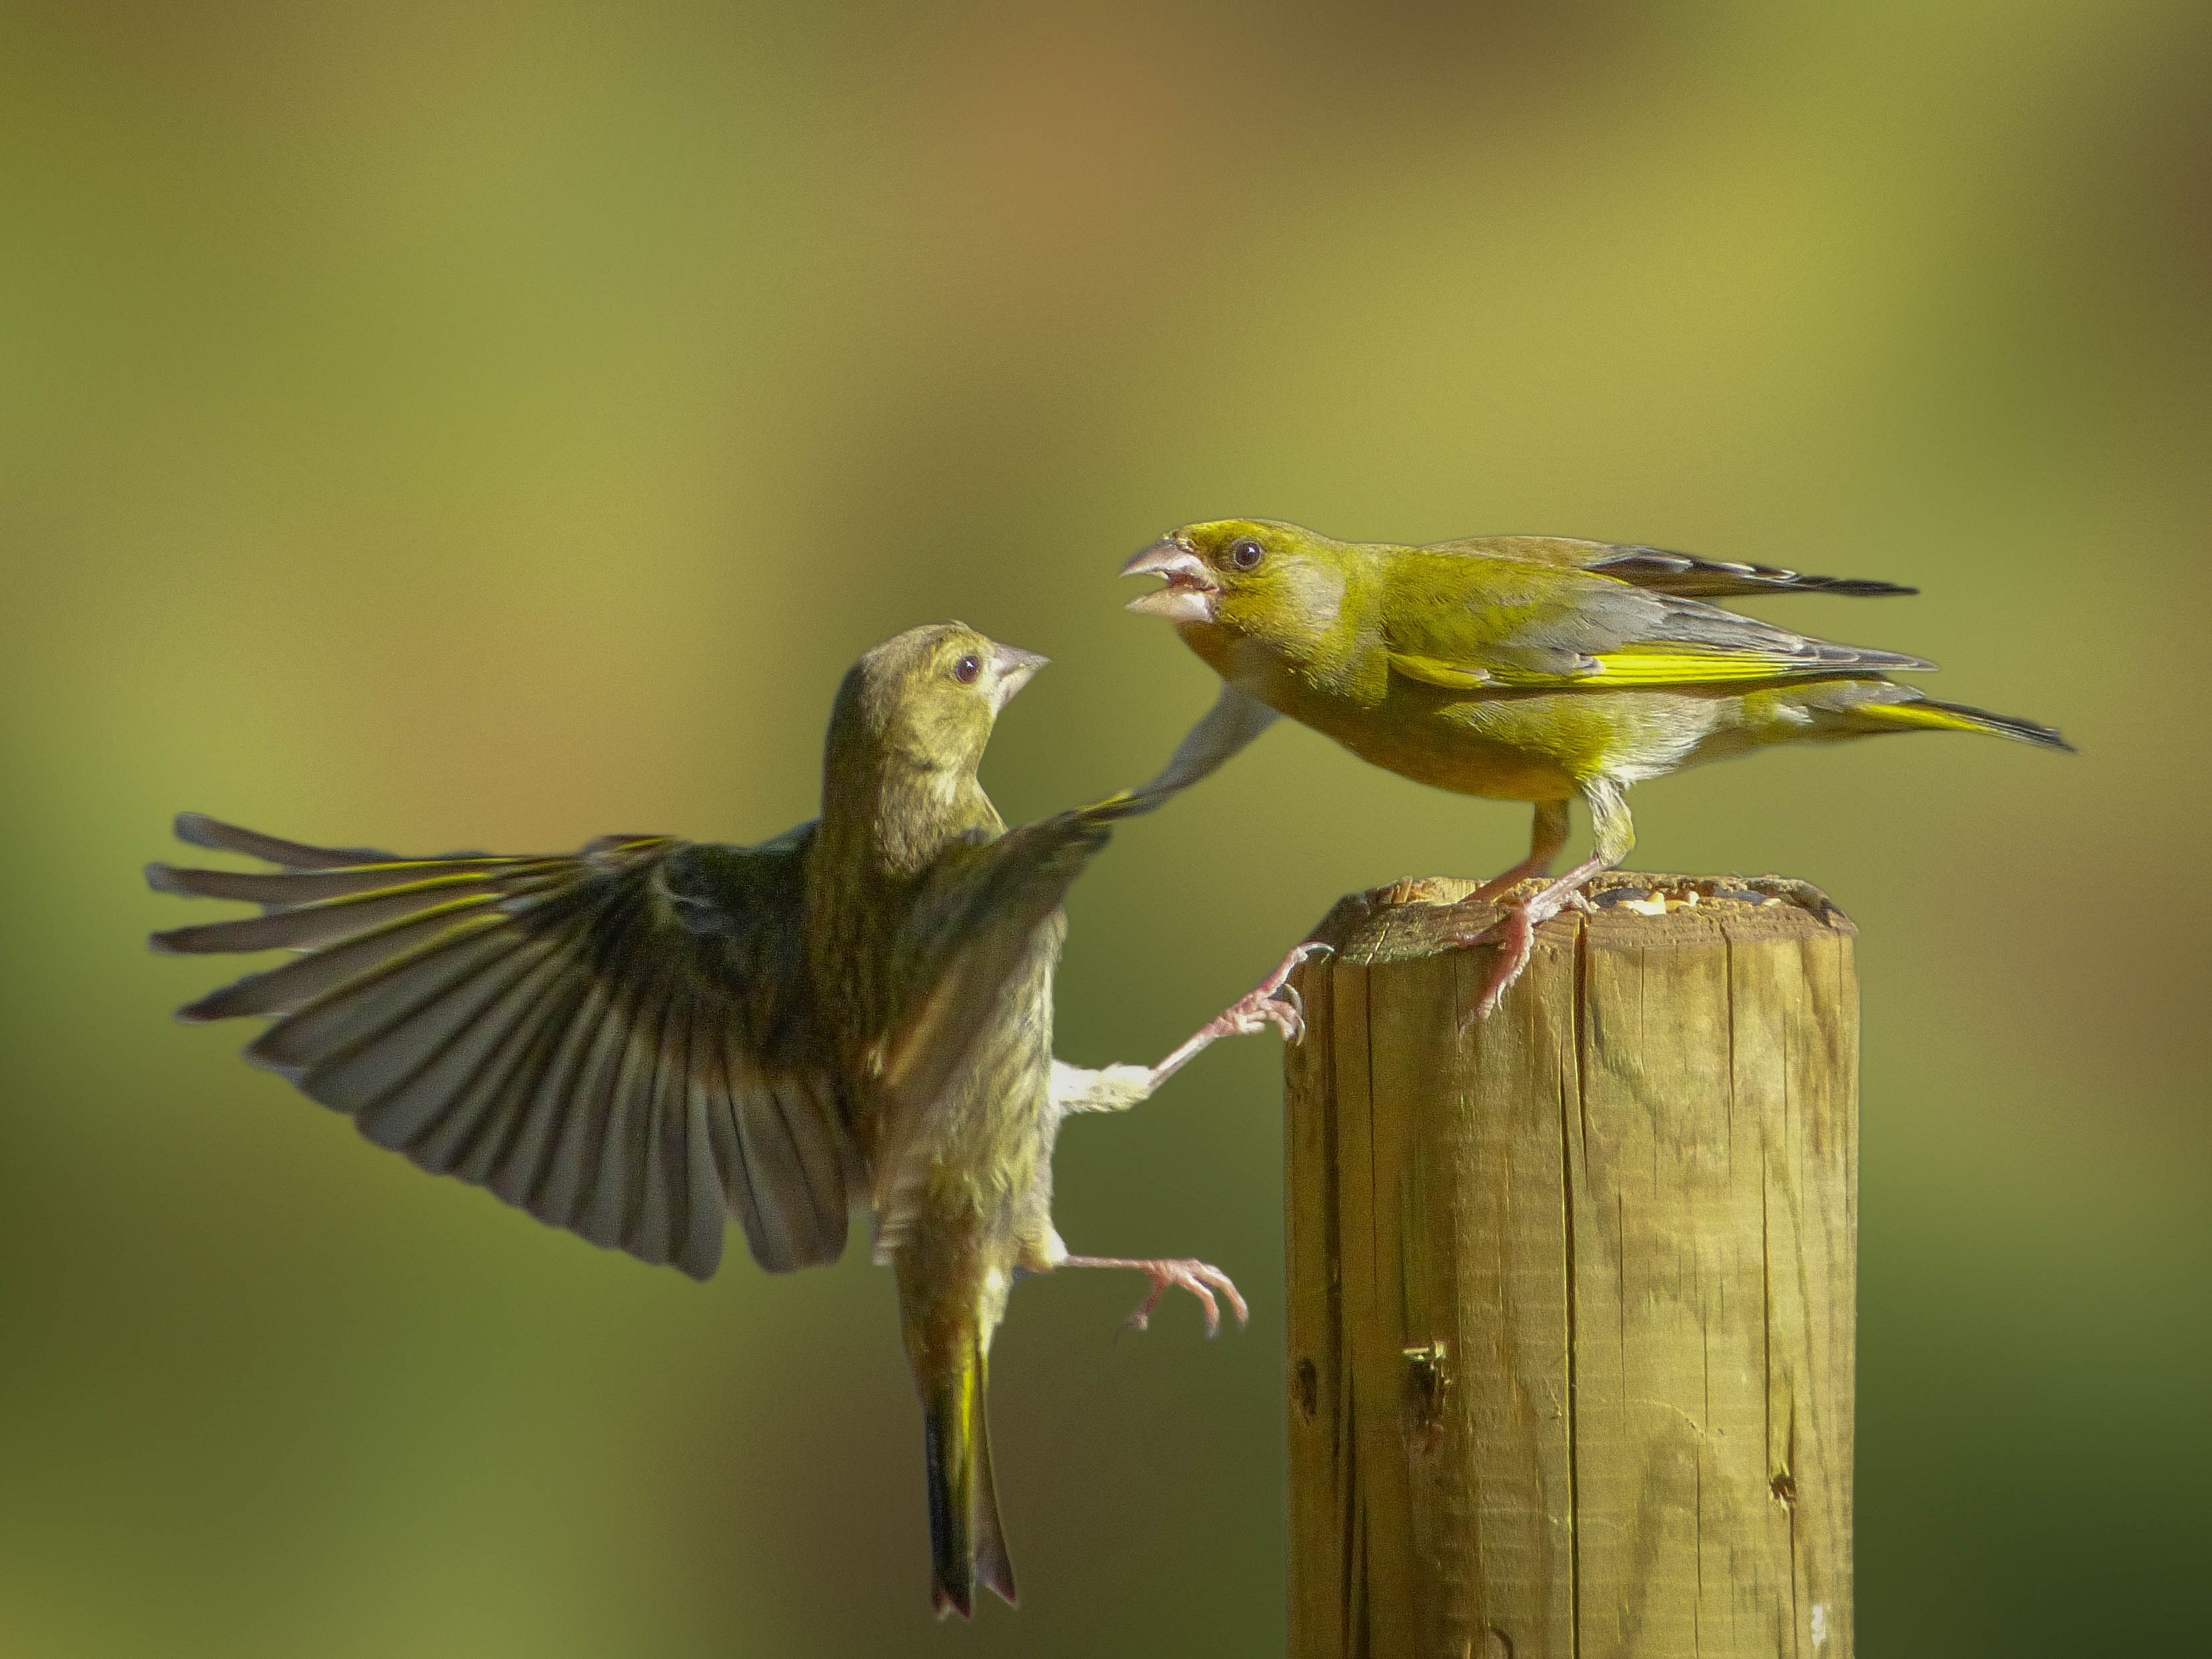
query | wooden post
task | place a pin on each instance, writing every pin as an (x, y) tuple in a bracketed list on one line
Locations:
[(1572, 1289)]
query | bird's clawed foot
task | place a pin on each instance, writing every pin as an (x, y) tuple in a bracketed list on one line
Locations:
[(1514, 933), (1273, 1001), (1269, 1003), (1201, 1278)]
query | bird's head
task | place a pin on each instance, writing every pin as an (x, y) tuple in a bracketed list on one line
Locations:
[(1255, 576), (931, 697)]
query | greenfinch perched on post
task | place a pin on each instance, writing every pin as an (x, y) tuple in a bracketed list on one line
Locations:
[(638, 1040), (1530, 668)]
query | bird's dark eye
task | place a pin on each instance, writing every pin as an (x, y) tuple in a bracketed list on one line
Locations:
[(1245, 553), (967, 669)]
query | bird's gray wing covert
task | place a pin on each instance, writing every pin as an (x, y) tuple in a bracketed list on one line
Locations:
[(616, 1040)]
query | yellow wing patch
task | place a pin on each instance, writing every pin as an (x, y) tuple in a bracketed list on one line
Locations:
[(1627, 668), (1435, 672), (1656, 668)]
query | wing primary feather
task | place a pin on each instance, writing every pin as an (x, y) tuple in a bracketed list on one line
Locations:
[(331, 922), (606, 1211), (197, 830), (501, 1103), (648, 1222), (564, 1181), (821, 1167), (357, 1007), (405, 1080), (699, 1250), (695, 1202), (508, 1152), (805, 1202), (403, 1043), (1690, 577), (1656, 570), (741, 1081), (467, 1140), (296, 985), (772, 1171), (571, 1174), (286, 889), (451, 1122)]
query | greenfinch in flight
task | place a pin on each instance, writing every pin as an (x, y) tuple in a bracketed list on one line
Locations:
[(638, 1040), (1530, 668)]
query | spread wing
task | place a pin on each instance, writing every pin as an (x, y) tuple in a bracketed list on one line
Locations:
[(1470, 620), (616, 1040), (1683, 574)]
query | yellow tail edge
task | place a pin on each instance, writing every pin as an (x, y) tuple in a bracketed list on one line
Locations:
[(966, 1543), (1925, 714)]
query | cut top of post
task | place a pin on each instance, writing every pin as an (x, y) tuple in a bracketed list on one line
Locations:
[(1422, 916)]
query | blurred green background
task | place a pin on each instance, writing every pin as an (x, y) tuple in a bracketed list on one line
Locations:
[(497, 428)]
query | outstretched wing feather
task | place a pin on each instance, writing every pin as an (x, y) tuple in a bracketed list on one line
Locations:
[(616, 1041)]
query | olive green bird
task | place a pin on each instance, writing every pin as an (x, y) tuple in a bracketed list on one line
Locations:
[(636, 1040), (1530, 668)]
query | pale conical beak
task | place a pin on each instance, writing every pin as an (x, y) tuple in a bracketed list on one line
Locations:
[(1190, 594), (1016, 669)]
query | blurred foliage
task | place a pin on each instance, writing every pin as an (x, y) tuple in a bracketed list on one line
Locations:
[(498, 425)]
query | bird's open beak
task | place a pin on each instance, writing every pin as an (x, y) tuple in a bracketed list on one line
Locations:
[(1016, 668), (1191, 592)]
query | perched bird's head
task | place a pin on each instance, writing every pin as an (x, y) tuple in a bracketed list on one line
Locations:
[(928, 697), (1255, 576)]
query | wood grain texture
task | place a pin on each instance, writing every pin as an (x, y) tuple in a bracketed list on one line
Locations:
[(1571, 1290)]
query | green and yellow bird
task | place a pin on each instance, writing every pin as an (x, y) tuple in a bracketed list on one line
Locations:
[(636, 1040), (1530, 668)]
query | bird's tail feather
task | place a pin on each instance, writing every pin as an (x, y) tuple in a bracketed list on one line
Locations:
[(1929, 714), (965, 1540)]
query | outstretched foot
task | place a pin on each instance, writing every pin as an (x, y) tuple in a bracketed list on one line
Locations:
[(1273, 1001), (1201, 1278), (1117, 1088)]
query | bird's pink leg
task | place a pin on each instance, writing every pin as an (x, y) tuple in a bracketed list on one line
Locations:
[(1515, 933), (1269, 1003), (1201, 1278), (1546, 837)]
